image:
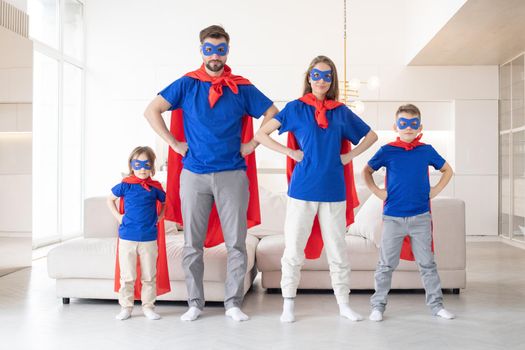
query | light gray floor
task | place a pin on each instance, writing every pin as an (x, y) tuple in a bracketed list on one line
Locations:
[(15, 253), (491, 315)]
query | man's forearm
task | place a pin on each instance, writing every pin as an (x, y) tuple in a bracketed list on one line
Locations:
[(154, 119)]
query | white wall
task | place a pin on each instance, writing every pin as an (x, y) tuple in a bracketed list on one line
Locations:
[(15, 134), (131, 54), (16, 62)]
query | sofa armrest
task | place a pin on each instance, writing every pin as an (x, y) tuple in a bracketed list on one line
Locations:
[(98, 221), (448, 218)]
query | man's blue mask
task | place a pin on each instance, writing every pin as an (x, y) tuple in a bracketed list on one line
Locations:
[(210, 49), (316, 74), (403, 123), (139, 164)]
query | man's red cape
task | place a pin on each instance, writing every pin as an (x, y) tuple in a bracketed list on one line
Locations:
[(163, 279), (173, 212), (314, 246), (406, 249)]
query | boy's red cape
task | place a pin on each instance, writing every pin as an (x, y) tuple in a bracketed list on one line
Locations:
[(173, 212), (314, 246), (163, 279), (406, 249)]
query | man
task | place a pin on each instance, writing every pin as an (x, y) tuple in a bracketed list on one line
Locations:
[(214, 102)]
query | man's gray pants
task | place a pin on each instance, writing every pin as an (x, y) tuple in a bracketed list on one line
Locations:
[(198, 192), (419, 228)]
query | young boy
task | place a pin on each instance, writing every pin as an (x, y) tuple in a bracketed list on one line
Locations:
[(406, 209)]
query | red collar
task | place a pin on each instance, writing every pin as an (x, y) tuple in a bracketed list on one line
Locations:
[(407, 145), (145, 183), (320, 108), (226, 78)]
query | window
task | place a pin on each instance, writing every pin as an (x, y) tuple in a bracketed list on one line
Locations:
[(56, 27), (43, 21)]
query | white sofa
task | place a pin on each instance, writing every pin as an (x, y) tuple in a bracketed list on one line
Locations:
[(363, 240), (84, 267)]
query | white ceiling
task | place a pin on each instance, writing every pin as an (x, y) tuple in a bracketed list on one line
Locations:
[(482, 32)]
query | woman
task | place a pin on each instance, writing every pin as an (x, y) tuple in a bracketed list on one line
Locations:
[(321, 126)]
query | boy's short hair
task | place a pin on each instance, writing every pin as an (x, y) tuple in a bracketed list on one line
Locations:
[(137, 152), (214, 32), (410, 109)]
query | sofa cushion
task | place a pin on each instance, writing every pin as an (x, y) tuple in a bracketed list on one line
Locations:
[(369, 221), (98, 220), (95, 258), (273, 213), (363, 193), (362, 254)]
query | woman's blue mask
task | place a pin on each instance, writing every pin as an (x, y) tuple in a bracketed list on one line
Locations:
[(316, 74)]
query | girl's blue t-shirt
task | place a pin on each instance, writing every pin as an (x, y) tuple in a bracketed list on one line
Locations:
[(139, 223)]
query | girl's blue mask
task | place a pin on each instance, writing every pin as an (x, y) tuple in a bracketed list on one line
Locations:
[(316, 74), (403, 123), (139, 164), (209, 49)]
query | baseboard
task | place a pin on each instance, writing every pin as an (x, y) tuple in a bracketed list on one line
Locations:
[(513, 243)]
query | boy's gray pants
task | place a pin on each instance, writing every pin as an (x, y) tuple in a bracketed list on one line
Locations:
[(419, 228), (198, 192)]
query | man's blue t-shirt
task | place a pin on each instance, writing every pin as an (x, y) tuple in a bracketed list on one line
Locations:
[(214, 134), (319, 177), (407, 178), (139, 223)]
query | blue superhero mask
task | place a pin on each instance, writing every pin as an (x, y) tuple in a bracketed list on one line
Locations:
[(316, 74), (139, 164), (403, 123), (210, 49)]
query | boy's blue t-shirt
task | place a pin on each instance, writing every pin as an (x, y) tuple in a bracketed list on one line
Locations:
[(214, 134), (407, 178), (139, 223), (319, 177)]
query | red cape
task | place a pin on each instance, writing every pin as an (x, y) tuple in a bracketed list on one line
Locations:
[(163, 279), (314, 246), (173, 212), (406, 249)]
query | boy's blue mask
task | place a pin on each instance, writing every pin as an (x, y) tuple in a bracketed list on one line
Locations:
[(210, 49), (139, 164), (403, 123), (316, 74)]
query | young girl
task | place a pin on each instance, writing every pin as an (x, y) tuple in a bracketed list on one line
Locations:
[(141, 207), (321, 126)]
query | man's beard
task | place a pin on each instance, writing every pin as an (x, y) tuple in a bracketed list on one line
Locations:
[(215, 65)]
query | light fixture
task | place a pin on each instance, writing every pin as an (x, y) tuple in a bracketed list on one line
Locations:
[(351, 88)]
